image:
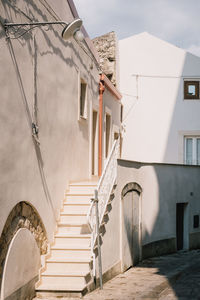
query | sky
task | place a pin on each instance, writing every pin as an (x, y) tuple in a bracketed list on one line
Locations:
[(175, 21)]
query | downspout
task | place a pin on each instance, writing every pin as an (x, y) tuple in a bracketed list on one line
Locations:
[(101, 91)]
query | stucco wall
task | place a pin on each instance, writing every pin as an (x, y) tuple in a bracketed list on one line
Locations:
[(44, 73), (156, 116), (111, 106), (163, 186)]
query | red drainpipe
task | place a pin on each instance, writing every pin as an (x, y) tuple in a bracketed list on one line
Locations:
[(101, 91)]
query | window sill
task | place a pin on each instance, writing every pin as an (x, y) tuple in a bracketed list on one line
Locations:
[(189, 99)]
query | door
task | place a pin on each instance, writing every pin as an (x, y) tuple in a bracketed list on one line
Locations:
[(130, 234), (94, 143), (182, 230)]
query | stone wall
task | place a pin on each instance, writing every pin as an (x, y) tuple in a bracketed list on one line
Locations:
[(106, 46)]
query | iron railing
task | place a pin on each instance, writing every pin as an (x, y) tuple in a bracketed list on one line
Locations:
[(102, 194)]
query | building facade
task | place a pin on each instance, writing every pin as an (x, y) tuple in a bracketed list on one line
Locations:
[(49, 132), (160, 87)]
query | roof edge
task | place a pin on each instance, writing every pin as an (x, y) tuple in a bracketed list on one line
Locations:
[(112, 88), (87, 38)]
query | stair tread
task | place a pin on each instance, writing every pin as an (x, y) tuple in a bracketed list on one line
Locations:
[(66, 274), (68, 235), (70, 247), (72, 214), (86, 183), (71, 203), (70, 259), (64, 287), (78, 194), (72, 224)]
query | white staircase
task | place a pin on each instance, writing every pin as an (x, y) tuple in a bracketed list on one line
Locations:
[(68, 265)]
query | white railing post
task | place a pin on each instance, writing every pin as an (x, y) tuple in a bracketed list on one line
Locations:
[(98, 238)]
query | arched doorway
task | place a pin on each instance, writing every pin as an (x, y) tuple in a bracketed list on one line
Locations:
[(131, 225)]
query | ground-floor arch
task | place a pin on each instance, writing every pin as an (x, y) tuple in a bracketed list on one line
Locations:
[(22, 216)]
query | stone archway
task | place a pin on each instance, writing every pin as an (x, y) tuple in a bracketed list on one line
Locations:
[(23, 215), (131, 186), (131, 225)]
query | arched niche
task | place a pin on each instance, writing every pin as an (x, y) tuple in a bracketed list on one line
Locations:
[(21, 267), (23, 215)]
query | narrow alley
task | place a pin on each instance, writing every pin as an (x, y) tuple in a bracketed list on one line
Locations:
[(169, 277)]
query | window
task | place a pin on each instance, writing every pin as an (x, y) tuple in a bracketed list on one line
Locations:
[(192, 150), (191, 89), (83, 100)]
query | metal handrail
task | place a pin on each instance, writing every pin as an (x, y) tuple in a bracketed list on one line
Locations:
[(101, 179), (102, 196), (106, 164)]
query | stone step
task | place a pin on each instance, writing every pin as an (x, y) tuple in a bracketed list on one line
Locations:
[(70, 252), (75, 208), (75, 228), (73, 239), (67, 274), (47, 293), (63, 279), (87, 182), (71, 218), (82, 188), (78, 198), (68, 265), (57, 266), (50, 289)]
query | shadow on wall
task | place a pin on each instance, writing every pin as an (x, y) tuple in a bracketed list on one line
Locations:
[(11, 11), (171, 193), (29, 11), (67, 52), (167, 216)]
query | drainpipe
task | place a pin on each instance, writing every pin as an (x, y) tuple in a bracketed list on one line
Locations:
[(101, 91)]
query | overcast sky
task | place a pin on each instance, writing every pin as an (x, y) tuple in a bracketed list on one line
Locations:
[(175, 21)]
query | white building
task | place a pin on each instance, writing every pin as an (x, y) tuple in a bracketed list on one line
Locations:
[(160, 87)]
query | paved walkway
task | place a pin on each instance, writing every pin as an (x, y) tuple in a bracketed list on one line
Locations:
[(169, 277)]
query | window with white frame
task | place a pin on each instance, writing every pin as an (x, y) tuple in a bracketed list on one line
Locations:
[(83, 99), (192, 150)]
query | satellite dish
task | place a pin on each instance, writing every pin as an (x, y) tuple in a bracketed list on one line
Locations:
[(71, 29)]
